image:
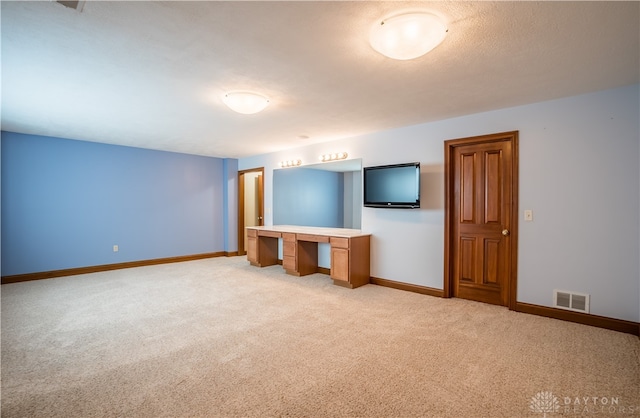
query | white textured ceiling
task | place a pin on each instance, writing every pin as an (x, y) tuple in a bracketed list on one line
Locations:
[(151, 74)]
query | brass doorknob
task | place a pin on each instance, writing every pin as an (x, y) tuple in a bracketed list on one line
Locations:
[(505, 232)]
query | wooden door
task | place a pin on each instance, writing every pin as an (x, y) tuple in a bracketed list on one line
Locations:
[(244, 205), (481, 224), (260, 199)]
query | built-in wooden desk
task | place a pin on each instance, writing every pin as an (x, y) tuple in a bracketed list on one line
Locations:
[(350, 251)]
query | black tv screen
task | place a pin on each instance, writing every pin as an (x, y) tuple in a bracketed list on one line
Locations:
[(392, 186)]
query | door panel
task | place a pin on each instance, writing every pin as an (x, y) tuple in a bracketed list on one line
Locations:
[(491, 262), (492, 182), (481, 217), (468, 183), (467, 259)]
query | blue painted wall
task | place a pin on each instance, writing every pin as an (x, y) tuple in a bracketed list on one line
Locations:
[(303, 196), (65, 203)]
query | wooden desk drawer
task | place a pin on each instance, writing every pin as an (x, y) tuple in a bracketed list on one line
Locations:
[(339, 242), (340, 264), (313, 238), (288, 262), (272, 234), (289, 248), (252, 233), (288, 236)]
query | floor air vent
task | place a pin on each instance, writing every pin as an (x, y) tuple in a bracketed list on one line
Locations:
[(572, 301)]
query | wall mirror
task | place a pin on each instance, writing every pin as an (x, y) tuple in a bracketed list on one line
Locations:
[(324, 194)]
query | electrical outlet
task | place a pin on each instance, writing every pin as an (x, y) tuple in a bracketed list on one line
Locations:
[(528, 215), (115, 248)]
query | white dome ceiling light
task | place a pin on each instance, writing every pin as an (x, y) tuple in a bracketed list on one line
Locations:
[(245, 102), (407, 36)]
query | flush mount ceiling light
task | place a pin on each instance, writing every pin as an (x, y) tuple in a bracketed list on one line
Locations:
[(407, 36), (245, 102)]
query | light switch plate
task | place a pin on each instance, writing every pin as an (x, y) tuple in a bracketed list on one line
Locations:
[(528, 215)]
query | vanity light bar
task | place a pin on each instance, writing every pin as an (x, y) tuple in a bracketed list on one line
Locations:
[(290, 163), (332, 157)]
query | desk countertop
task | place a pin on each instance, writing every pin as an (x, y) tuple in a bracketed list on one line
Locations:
[(333, 232)]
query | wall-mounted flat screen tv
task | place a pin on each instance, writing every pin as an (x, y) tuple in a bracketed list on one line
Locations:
[(392, 186)]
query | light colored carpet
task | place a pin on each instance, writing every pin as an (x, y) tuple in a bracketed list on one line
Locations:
[(220, 338)]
